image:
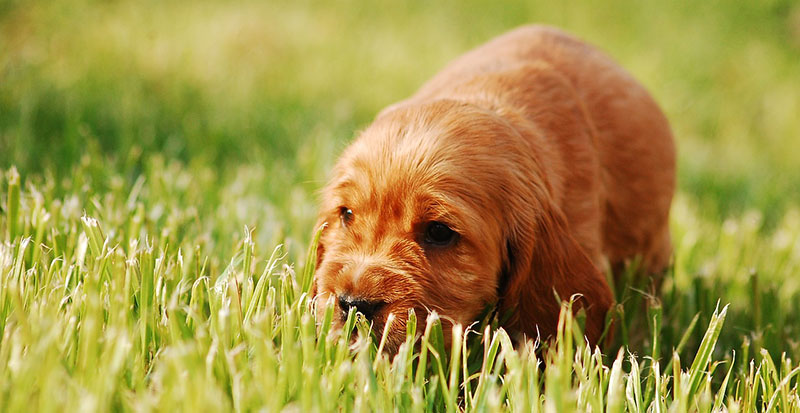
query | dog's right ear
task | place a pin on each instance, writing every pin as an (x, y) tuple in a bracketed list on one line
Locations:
[(544, 260)]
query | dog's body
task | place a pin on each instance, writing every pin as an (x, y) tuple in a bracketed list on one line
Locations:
[(545, 160)]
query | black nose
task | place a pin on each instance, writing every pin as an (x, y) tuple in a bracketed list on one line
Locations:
[(366, 307)]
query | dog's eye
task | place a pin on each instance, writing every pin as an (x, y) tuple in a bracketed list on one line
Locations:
[(439, 234), (346, 215)]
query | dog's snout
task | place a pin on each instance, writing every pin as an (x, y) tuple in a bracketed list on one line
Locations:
[(366, 307)]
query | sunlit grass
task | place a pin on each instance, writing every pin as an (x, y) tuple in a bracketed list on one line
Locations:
[(117, 307)]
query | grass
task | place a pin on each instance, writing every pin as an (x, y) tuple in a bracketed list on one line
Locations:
[(168, 156)]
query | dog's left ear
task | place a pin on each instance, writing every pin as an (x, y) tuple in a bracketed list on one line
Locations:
[(542, 260)]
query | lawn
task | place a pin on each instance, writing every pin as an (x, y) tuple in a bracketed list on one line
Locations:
[(159, 163)]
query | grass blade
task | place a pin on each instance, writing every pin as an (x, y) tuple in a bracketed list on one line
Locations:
[(703, 357)]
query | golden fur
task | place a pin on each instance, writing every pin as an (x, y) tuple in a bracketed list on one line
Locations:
[(547, 159)]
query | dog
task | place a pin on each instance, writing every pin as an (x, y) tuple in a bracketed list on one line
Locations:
[(515, 178)]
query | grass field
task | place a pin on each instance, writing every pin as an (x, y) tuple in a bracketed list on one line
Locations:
[(159, 162)]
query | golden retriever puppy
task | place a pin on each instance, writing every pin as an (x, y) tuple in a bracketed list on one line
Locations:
[(518, 174)]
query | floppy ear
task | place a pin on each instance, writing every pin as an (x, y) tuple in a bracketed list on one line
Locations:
[(543, 261)]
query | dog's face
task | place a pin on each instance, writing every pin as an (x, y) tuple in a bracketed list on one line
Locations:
[(426, 211), (411, 224)]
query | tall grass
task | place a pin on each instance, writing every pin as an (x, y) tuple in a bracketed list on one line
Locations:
[(113, 308)]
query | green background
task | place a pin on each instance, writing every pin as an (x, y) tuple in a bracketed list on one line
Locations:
[(286, 84)]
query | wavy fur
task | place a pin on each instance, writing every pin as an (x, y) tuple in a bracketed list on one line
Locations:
[(547, 158)]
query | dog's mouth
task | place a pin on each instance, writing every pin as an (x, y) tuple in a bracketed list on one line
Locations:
[(387, 327), (385, 323)]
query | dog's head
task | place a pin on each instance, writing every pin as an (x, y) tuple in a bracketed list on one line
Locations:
[(444, 207)]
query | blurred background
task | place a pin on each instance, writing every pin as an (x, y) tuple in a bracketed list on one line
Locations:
[(285, 84), (197, 118)]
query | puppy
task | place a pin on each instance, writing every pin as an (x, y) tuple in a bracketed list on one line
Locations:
[(518, 174)]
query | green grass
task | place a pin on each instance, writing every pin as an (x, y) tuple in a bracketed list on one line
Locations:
[(151, 245)]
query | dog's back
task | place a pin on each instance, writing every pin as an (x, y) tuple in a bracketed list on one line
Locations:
[(615, 172)]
